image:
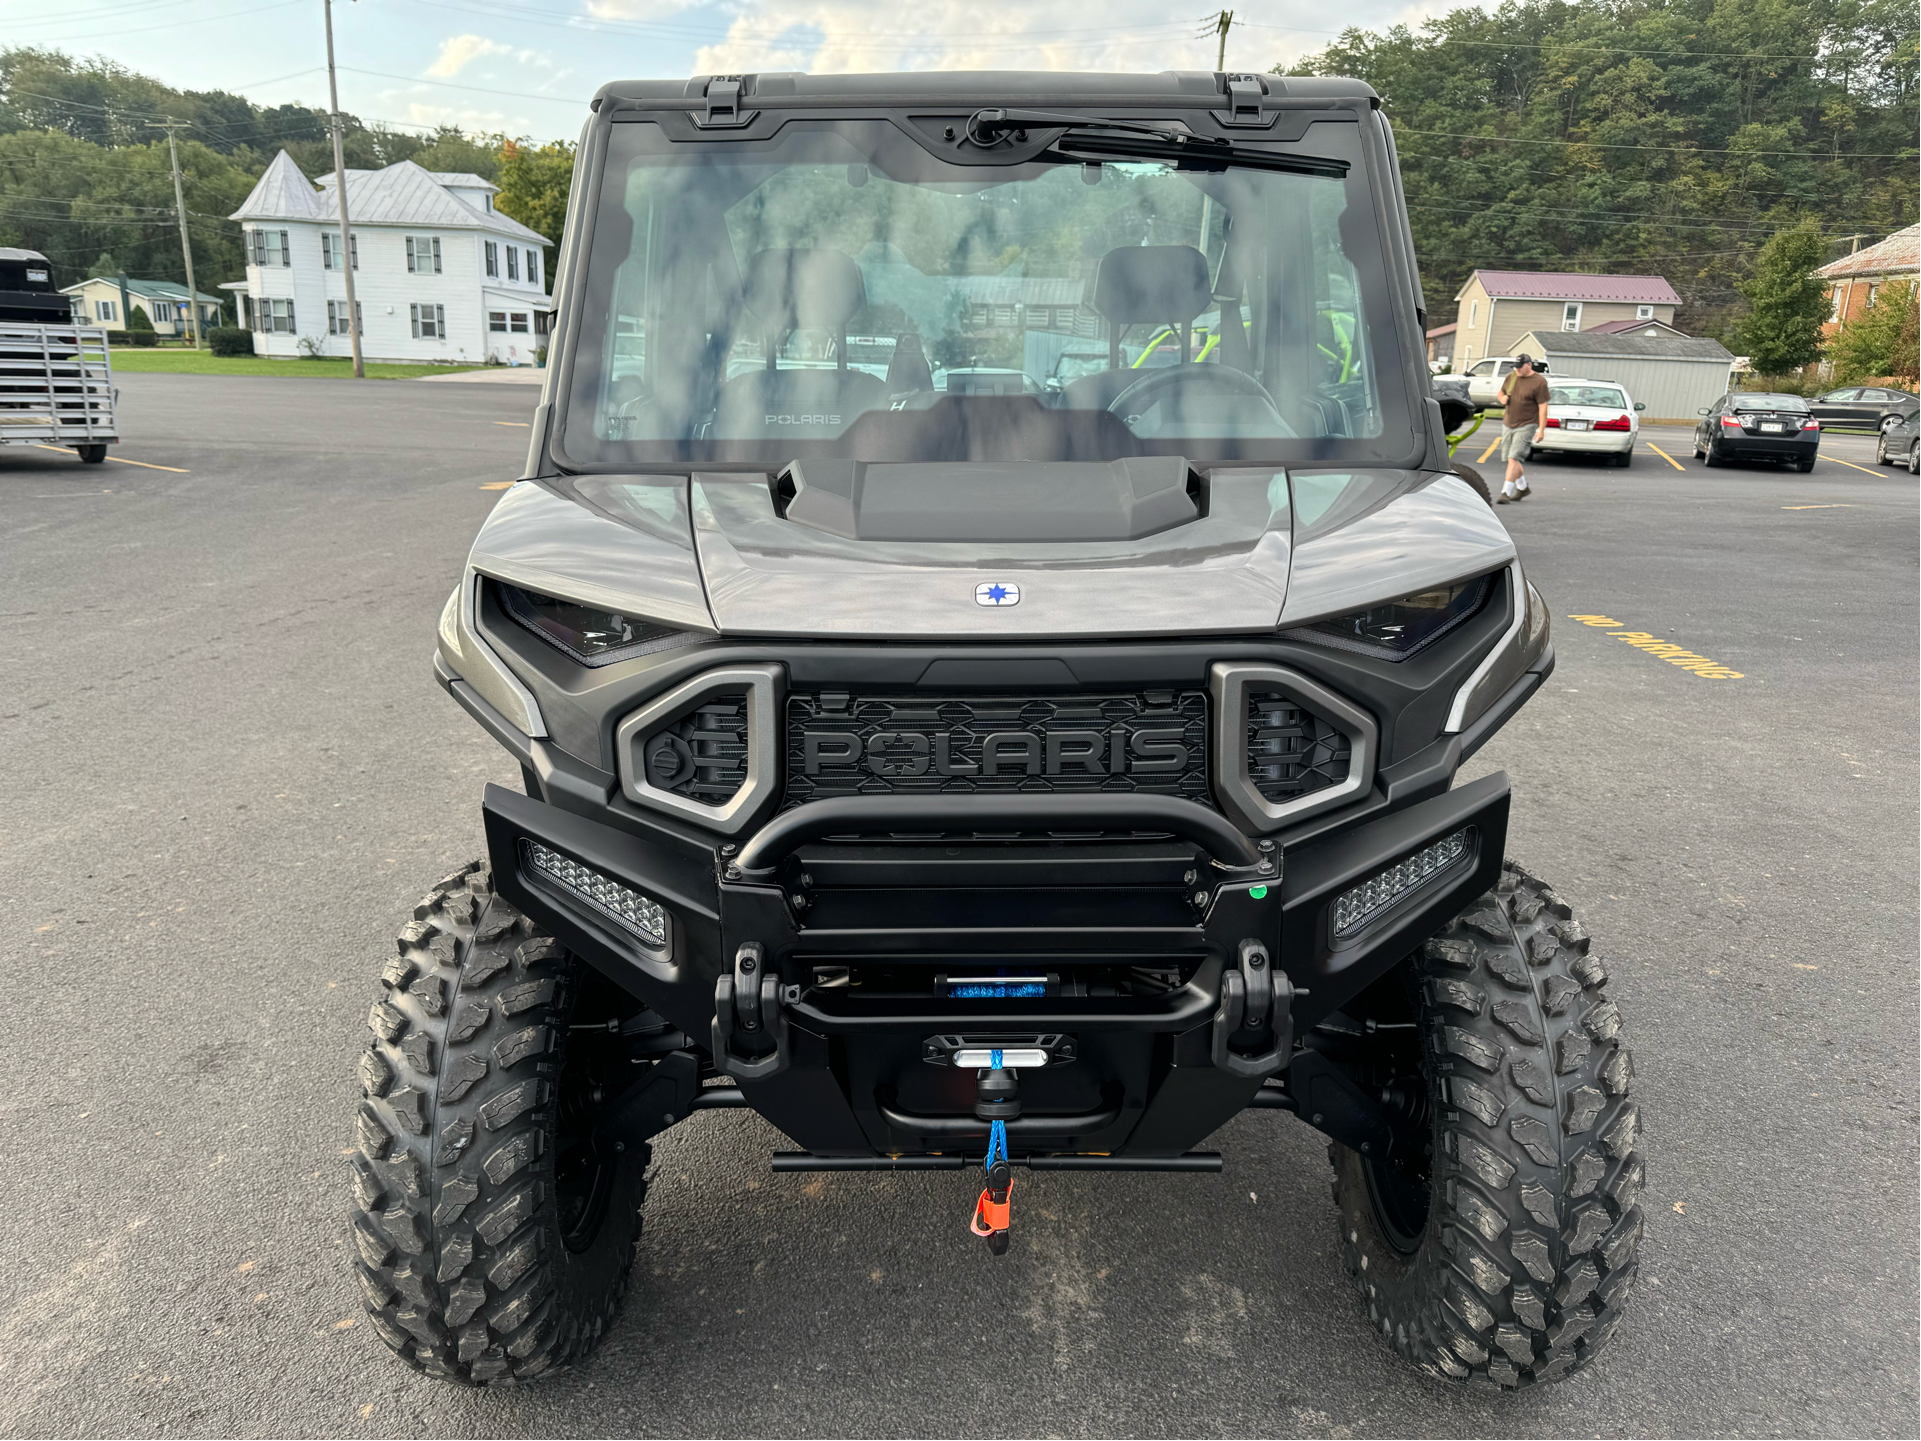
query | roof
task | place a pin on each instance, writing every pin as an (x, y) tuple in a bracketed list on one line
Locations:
[(975, 88), (145, 289), (13, 252), (1625, 327), (400, 194), (1440, 330), (1572, 285), (1901, 251), (452, 179), (1576, 344)]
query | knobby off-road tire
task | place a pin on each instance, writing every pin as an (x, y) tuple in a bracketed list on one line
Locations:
[(1520, 1271), (1473, 478), (493, 1245)]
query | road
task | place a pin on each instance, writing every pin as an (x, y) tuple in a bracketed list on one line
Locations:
[(228, 776)]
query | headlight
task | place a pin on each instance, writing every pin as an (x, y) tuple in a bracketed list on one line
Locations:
[(591, 636), (1399, 628)]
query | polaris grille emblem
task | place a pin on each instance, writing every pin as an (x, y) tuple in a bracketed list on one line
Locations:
[(997, 592)]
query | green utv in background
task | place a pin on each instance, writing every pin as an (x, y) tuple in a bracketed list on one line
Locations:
[(964, 770)]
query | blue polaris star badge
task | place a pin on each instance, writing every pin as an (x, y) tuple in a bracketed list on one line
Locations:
[(997, 592)]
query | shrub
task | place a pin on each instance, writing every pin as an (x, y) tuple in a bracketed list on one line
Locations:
[(230, 340), (138, 319)]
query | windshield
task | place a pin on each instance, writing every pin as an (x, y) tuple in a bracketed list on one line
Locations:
[(840, 291), (1587, 395)]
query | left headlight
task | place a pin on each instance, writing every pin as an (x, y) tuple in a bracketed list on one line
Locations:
[(591, 636), (1401, 627)]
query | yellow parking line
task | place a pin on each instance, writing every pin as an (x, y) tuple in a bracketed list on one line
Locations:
[(497, 485), (523, 424), (1817, 507), (1665, 456), (1877, 474), (118, 459), (1489, 451)]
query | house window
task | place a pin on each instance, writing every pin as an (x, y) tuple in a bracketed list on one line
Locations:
[(488, 201), (1571, 315), (1644, 312), (423, 254), (517, 322), (337, 317), (275, 316), (430, 321), (513, 263), (1473, 314), (270, 248), (106, 310), (330, 250), (533, 267), (497, 321), (493, 257)]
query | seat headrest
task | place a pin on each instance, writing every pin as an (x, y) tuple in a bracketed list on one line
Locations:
[(808, 289), (1152, 285)]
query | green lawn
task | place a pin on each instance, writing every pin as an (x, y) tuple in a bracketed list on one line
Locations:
[(201, 362)]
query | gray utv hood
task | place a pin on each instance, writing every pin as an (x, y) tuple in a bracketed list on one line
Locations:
[(713, 553)]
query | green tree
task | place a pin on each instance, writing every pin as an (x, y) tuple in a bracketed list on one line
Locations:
[(105, 265), (1871, 345), (138, 319), (1787, 302), (535, 182)]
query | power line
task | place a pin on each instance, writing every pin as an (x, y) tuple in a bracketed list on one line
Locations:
[(1685, 149), (1436, 41)]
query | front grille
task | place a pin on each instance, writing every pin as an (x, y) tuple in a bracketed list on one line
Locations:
[(1291, 751), (1145, 742), (703, 755)]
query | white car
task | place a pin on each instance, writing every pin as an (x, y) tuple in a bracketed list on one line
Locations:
[(1595, 416), (1484, 379)]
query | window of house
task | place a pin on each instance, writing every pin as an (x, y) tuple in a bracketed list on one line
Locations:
[(423, 254), (1473, 313), (513, 263), (533, 267), (493, 257), (269, 247), (429, 321), (1873, 290), (517, 322), (330, 249), (497, 321), (275, 317), (106, 310), (1571, 315), (337, 317), (1644, 312), (488, 201)]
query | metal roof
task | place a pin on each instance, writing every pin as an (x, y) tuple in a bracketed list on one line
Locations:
[(401, 194), (1629, 327), (1571, 285), (1579, 343), (145, 289), (1900, 252)]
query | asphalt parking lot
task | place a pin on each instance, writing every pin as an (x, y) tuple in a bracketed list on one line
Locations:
[(228, 775)]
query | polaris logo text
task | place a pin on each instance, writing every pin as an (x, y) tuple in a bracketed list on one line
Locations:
[(801, 420), (1119, 750)]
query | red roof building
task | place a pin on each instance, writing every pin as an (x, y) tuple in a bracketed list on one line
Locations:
[(1858, 278), (1497, 307)]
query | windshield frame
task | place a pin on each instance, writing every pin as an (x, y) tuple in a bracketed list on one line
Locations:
[(1382, 257)]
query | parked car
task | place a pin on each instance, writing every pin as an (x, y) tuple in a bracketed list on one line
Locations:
[(1864, 407), (1758, 426), (1592, 416), (1901, 442)]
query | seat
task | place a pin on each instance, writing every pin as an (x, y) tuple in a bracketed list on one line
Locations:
[(908, 371), (1140, 285), (785, 290)]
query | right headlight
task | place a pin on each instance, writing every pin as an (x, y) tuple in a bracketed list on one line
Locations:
[(592, 636), (1400, 628)]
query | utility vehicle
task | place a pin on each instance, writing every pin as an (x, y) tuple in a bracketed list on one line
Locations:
[(998, 778)]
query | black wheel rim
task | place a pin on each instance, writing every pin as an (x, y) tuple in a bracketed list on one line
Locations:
[(1400, 1204), (583, 1185)]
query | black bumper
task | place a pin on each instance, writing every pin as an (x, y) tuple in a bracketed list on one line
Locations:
[(1141, 942)]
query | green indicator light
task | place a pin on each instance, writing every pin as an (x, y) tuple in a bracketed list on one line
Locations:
[(1258, 893)]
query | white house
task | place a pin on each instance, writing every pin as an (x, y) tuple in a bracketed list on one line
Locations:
[(439, 274)]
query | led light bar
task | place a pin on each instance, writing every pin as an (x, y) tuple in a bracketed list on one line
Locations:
[(623, 905), (996, 988), (981, 1058), (1355, 908)]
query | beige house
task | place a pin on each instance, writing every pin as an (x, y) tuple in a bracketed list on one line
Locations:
[(103, 301), (1498, 307)]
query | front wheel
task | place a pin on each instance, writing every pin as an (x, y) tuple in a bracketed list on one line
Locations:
[(1506, 1253), (91, 454), (495, 1230), (1712, 457)]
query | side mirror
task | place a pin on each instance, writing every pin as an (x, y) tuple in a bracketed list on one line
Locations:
[(1639, 405), (1701, 411)]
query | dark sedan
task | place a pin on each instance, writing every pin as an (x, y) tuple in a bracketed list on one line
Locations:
[(1900, 443), (1758, 426), (1863, 407)]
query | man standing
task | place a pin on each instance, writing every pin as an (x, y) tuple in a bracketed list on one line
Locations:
[(1523, 423)]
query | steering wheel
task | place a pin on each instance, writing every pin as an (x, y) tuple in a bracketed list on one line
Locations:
[(1145, 391)]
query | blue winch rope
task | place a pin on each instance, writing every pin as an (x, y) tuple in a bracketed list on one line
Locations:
[(996, 1144)]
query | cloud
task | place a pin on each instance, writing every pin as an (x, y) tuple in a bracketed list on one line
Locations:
[(459, 51)]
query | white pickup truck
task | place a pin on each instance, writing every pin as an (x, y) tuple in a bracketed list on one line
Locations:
[(1484, 378)]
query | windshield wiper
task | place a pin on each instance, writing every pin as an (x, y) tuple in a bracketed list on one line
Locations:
[(1083, 135)]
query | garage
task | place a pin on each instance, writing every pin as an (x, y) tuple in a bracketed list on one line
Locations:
[(1674, 376)]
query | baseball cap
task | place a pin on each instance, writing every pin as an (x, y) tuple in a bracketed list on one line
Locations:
[(1524, 359)]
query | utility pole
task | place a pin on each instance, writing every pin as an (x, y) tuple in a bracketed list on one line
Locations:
[(1219, 24), (180, 212), (340, 195)]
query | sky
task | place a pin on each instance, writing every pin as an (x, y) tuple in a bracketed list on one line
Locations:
[(528, 69)]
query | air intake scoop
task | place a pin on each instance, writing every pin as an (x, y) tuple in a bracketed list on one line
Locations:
[(995, 501)]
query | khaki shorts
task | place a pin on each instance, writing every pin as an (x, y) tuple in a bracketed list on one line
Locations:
[(1515, 439)]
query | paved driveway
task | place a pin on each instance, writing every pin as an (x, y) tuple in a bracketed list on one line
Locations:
[(228, 774)]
